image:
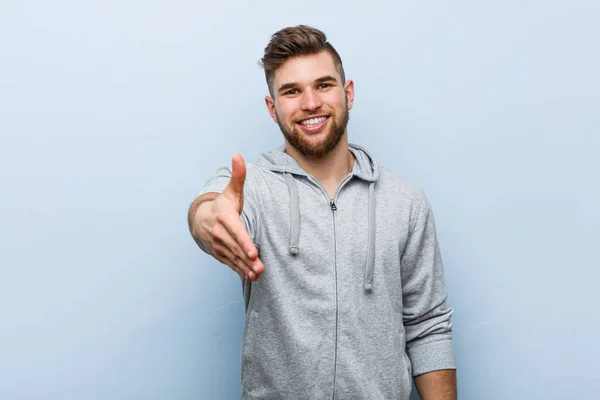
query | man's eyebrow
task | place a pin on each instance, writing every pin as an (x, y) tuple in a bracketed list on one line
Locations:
[(327, 78), (286, 86), (290, 85)]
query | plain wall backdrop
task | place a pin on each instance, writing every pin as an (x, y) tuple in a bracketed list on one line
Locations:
[(114, 113)]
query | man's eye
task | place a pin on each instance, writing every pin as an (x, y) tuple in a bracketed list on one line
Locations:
[(324, 85), (293, 91)]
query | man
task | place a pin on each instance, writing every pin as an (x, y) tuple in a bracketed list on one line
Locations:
[(342, 275)]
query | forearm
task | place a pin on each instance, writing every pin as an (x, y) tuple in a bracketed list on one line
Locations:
[(437, 385)]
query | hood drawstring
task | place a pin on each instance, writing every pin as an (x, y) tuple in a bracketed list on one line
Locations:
[(294, 213), (295, 226), (371, 240)]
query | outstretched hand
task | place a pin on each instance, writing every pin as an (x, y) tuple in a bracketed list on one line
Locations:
[(229, 242)]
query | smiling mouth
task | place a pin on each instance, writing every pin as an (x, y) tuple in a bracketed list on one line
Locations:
[(313, 124)]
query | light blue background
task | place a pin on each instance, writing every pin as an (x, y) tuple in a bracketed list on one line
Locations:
[(114, 113)]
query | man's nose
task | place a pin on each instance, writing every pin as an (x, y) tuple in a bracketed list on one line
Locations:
[(310, 101)]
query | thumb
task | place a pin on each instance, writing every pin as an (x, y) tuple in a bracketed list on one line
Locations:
[(238, 177)]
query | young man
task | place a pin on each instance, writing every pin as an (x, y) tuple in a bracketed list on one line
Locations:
[(342, 275)]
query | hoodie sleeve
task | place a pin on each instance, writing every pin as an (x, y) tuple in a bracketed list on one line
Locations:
[(219, 181), (425, 313)]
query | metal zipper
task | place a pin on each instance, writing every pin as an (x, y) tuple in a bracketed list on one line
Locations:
[(333, 206)]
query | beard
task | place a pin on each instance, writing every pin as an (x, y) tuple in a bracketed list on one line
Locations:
[(299, 139)]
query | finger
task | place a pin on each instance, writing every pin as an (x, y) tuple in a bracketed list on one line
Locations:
[(258, 267), (235, 263), (238, 232), (247, 271), (220, 234), (239, 265), (238, 177), (225, 260)]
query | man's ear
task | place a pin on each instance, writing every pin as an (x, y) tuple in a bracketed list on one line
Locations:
[(270, 103), (349, 89)]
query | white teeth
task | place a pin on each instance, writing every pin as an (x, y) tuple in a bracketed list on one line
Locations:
[(313, 121)]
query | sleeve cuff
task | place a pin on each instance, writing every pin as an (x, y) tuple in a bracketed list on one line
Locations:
[(432, 356)]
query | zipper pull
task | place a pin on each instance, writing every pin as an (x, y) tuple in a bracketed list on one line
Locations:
[(332, 205)]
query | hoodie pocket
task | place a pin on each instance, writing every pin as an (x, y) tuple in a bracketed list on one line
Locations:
[(375, 393), (399, 377)]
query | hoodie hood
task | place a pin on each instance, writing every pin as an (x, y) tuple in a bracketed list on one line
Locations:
[(278, 160), (364, 168)]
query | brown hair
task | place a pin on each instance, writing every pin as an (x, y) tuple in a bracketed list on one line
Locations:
[(293, 42)]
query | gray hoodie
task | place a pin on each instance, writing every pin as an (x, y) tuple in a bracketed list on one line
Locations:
[(352, 300)]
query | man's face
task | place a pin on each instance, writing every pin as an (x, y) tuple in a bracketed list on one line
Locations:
[(310, 104)]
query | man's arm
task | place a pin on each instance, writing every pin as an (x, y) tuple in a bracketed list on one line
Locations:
[(437, 385), (215, 224), (425, 314)]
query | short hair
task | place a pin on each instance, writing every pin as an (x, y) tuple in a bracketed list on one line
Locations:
[(296, 41)]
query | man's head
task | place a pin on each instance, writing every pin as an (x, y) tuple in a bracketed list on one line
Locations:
[(309, 95)]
